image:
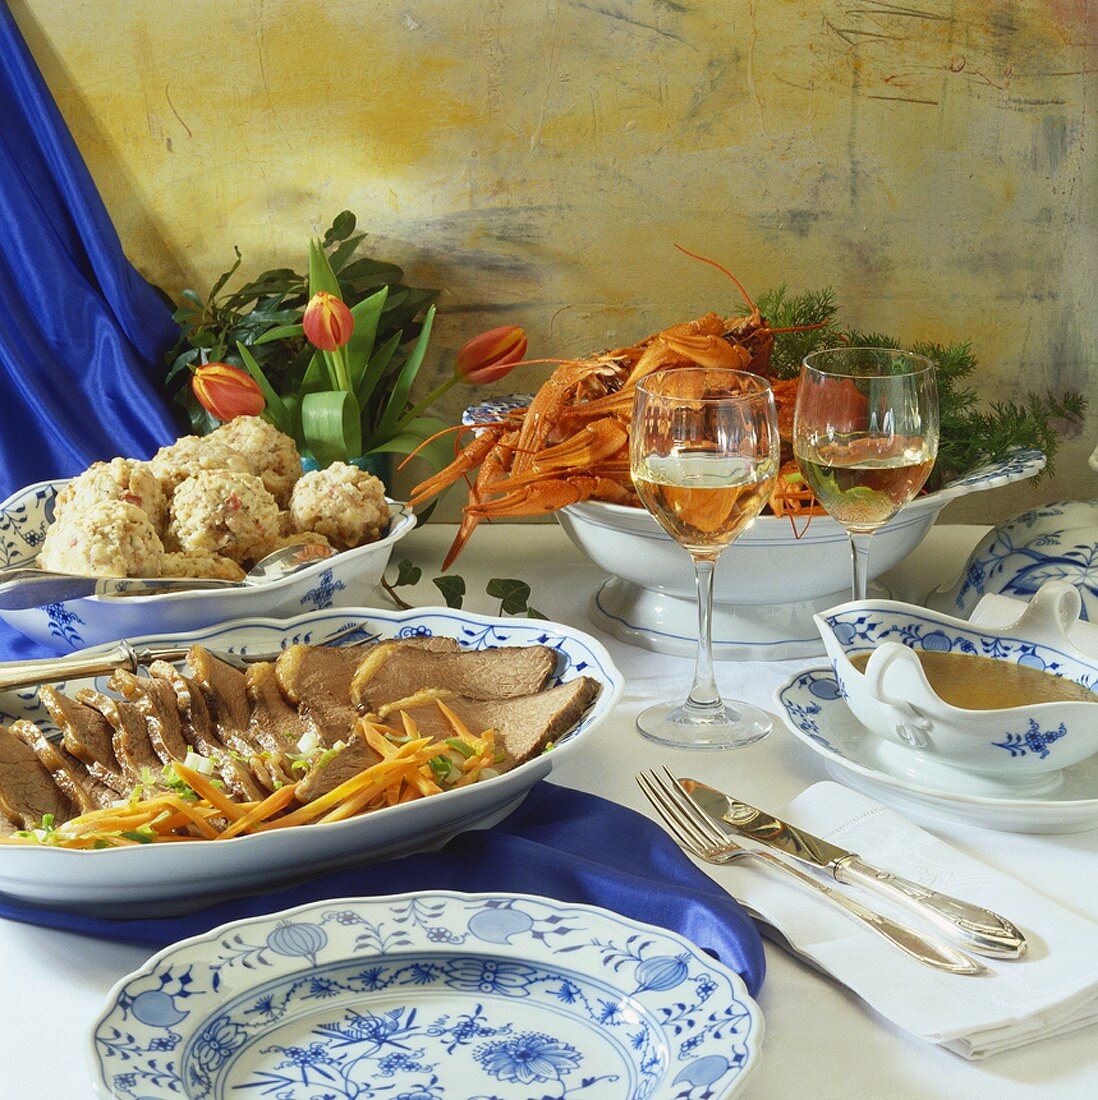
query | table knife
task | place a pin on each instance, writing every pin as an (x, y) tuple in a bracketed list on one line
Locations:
[(983, 931)]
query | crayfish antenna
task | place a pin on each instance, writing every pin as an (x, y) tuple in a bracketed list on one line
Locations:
[(720, 267)]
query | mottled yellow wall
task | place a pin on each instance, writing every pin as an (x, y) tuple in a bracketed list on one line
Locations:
[(538, 159)]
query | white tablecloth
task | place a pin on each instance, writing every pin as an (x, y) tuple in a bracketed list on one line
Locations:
[(821, 1042)]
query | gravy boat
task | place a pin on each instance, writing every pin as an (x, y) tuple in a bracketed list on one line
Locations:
[(1020, 750)]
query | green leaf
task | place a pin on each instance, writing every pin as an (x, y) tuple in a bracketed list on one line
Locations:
[(533, 613), (330, 423), (275, 407), (181, 363), (513, 594), (343, 225), (344, 252), (398, 399), (452, 589), (292, 402), (360, 347), (375, 369), (226, 276), (321, 276), (281, 332), (407, 573), (316, 377), (437, 453), (368, 272)]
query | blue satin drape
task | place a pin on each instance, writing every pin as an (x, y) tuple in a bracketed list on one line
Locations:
[(559, 843), (81, 333)]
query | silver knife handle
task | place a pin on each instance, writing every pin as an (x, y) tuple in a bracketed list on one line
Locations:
[(48, 670), (981, 930), (926, 949)]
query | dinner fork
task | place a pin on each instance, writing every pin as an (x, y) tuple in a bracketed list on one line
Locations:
[(694, 833), (48, 670)]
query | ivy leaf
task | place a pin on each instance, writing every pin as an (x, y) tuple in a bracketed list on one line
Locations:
[(534, 613), (452, 589), (341, 228), (407, 573), (513, 594)]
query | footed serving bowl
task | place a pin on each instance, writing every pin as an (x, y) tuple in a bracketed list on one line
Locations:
[(1020, 748), (767, 584), (343, 579)]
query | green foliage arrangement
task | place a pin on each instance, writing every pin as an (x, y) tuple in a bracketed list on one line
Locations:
[(972, 431), (258, 327)]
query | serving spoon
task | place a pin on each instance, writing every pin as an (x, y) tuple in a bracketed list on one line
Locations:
[(27, 586)]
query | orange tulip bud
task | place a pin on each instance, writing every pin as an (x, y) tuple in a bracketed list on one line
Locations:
[(226, 392), (491, 355), (328, 323)]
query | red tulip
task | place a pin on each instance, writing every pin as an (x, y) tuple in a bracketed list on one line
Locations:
[(328, 323), (226, 391), (489, 356)]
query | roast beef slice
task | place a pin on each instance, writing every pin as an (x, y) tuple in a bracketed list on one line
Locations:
[(27, 790), (87, 735), (394, 671), (524, 726), (70, 774)]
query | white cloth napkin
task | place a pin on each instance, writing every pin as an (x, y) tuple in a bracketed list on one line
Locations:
[(1052, 990)]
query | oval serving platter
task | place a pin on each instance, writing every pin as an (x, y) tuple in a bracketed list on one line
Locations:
[(434, 996), (158, 879)]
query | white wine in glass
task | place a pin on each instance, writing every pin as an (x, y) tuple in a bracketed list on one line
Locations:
[(704, 452), (865, 436)]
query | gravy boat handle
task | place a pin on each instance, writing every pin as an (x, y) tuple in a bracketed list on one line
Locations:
[(907, 725)]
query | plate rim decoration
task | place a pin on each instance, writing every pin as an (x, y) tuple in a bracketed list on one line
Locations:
[(678, 1047)]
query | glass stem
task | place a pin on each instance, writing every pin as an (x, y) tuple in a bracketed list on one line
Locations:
[(703, 691), (859, 562)]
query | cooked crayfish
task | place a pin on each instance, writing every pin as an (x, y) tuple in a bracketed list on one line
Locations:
[(572, 442)]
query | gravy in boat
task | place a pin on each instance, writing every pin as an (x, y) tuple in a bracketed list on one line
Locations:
[(986, 683)]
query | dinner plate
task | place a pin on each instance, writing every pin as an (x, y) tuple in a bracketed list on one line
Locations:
[(434, 996), (157, 879), (815, 712)]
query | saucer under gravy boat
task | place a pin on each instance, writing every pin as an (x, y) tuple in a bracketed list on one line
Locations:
[(1018, 749)]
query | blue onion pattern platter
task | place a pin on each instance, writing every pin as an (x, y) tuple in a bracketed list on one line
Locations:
[(434, 996), (153, 879), (813, 708), (341, 580)]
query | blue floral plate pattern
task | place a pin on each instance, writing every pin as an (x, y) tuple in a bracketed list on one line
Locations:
[(435, 996), (154, 879)]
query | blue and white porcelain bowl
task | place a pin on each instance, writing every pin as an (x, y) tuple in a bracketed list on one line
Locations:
[(154, 879), (1056, 542), (429, 996), (1021, 748), (346, 578)]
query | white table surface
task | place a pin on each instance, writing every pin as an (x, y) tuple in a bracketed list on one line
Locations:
[(820, 1042)]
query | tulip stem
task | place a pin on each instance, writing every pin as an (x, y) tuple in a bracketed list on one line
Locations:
[(343, 377), (426, 402)]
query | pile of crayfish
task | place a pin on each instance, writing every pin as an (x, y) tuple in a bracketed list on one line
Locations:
[(572, 442)]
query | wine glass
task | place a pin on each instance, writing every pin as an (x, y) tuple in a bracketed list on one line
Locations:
[(704, 453), (865, 436)]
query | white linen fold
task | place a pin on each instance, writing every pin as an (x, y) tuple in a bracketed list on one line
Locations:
[(1052, 990)]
